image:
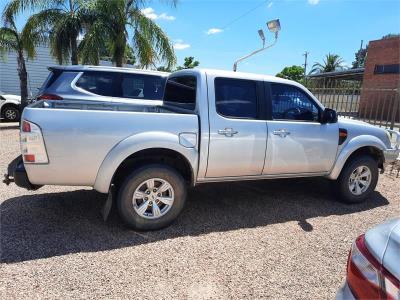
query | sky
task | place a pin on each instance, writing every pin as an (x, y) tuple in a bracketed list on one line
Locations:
[(218, 32)]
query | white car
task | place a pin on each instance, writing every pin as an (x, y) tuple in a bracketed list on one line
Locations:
[(10, 107)]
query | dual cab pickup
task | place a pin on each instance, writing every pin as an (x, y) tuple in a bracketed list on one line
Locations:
[(213, 126)]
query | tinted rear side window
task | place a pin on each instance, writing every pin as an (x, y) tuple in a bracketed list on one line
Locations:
[(99, 83), (51, 78), (139, 86), (236, 98), (181, 91)]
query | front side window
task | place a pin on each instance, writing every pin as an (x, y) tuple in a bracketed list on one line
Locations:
[(236, 98), (181, 91), (291, 103), (99, 83)]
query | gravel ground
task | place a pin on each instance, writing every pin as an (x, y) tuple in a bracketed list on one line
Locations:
[(281, 239)]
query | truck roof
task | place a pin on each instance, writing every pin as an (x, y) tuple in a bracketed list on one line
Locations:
[(81, 68), (238, 75)]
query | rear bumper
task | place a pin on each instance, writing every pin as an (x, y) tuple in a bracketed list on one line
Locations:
[(344, 293), (16, 173)]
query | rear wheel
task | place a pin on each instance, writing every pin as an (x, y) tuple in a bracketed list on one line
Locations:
[(151, 197), (11, 113), (357, 180)]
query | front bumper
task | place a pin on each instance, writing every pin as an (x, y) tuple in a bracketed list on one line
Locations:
[(392, 154), (344, 293), (16, 173)]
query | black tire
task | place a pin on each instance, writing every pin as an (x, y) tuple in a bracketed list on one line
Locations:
[(134, 180), (341, 185), (11, 113)]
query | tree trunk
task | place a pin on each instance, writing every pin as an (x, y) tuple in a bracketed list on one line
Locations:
[(119, 51), (74, 51), (23, 79), (119, 61)]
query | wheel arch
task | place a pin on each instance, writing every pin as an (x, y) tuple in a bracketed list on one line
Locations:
[(138, 150), (361, 145), (163, 156)]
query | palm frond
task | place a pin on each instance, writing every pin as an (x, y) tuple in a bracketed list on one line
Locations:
[(156, 39), (8, 41), (38, 28), (89, 47), (15, 7)]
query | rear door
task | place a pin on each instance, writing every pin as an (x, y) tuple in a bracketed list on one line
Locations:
[(238, 133), (297, 141)]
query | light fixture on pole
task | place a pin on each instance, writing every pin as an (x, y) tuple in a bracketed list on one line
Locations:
[(273, 26)]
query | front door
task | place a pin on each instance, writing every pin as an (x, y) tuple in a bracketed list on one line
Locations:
[(297, 141), (238, 136)]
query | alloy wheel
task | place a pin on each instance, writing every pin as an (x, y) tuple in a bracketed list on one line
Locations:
[(153, 198), (360, 180)]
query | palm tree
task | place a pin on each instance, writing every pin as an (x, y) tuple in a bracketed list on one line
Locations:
[(112, 20), (332, 62), (62, 21), (23, 43)]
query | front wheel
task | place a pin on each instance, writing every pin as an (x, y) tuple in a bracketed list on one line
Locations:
[(357, 180), (151, 197)]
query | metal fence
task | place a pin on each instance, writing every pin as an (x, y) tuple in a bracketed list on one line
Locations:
[(379, 107)]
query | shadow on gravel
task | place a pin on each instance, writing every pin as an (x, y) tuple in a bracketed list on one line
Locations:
[(6, 126), (47, 225)]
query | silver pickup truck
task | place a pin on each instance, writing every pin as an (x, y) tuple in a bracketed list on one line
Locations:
[(213, 126)]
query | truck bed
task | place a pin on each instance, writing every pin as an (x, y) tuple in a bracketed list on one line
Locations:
[(78, 135)]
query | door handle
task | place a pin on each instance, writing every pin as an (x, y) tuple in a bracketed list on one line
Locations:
[(281, 132), (227, 132)]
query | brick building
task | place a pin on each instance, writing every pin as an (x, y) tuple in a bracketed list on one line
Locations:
[(381, 81)]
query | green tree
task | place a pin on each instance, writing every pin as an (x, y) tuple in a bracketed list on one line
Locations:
[(390, 35), (23, 43), (189, 63), (112, 19), (129, 56), (360, 57), (61, 21), (295, 73), (332, 62)]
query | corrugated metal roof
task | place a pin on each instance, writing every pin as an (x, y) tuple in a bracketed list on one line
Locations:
[(350, 74)]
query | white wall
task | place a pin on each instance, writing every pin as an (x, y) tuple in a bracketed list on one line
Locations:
[(37, 71)]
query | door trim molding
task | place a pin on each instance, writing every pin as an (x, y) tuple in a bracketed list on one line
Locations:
[(258, 177)]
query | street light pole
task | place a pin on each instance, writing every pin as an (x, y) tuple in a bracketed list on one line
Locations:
[(274, 26)]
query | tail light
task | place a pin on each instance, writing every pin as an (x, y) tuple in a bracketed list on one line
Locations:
[(50, 97), (32, 144), (367, 278)]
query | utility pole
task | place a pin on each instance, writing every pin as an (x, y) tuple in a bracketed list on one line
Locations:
[(305, 65), (359, 56)]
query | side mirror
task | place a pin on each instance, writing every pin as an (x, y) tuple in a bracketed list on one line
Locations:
[(329, 116)]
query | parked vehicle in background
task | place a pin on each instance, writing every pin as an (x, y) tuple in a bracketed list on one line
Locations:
[(213, 126), (99, 83), (10, 107), (373, 266)]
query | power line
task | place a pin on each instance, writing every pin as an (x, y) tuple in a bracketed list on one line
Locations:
[(245, 14)]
